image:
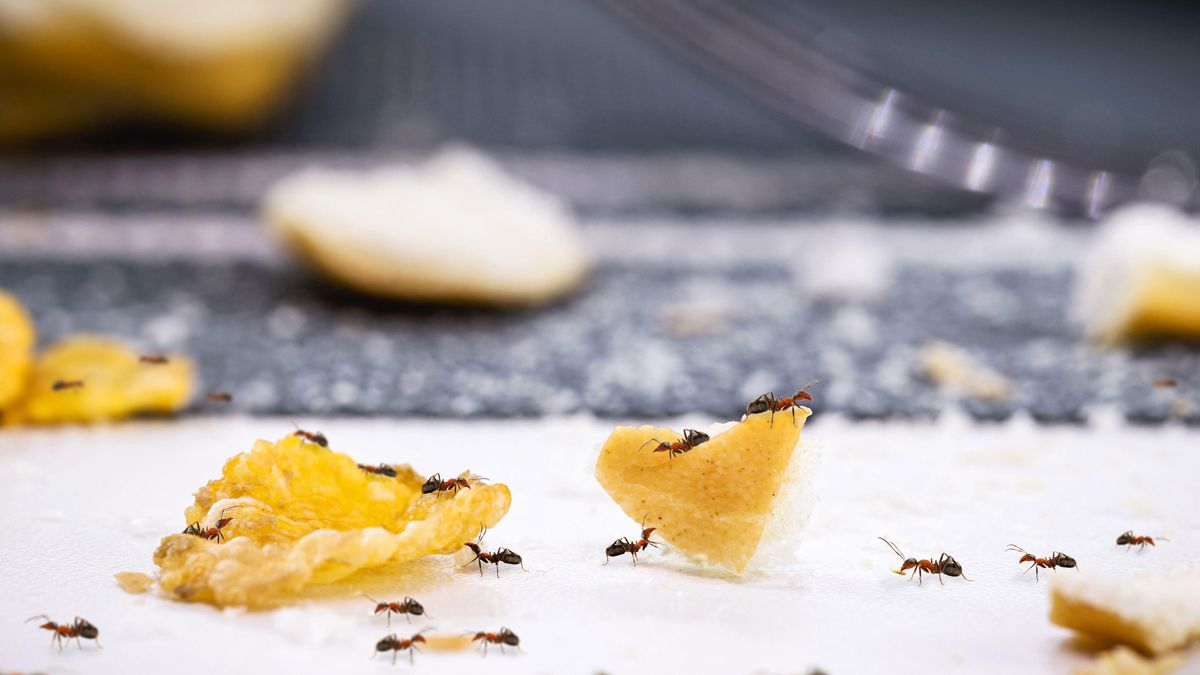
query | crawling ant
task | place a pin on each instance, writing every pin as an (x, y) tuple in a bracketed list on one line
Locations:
[(381, 470), (396, 645), (219, 396), (503, 555), (1128, 538), (436, 484), (504, 637), (79, 628), (152, 359), (406, 607), (1166, 382), (946, 564), (691, 438), (213, 532), (318, 437), (60, 385), (1055, 560), (623, 545), (768, 402)]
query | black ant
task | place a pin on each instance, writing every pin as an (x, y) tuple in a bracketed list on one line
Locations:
[(318, 437), (1055, 560), (1128, 538), (219, 396), (60, 385), (436, 484), (623, 545), (396, 645), (381, 470), (691, 438), (152, 359), (79, 628), (946, 564), (768, 403), (504, 637), (407, 607), (213, 532), (503, 555)]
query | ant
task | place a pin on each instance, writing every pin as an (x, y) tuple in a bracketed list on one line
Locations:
[(768, 402), (504, 637), (503, 555), (153, 359), (219, 396), (623, 545), (407, 607), (318, 437), (60, 385), (79, 628), (436, 484), (381, 470), (1128, 538), (691, 438), (1166, 382), (213, 532), (1055, 560), (946, 564), (396, 645)]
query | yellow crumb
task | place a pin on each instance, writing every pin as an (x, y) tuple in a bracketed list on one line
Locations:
[(1125, 661), (447, 643), (134, 582), (1152, 611), (17, 339), (303, 514), (947, 365), (712, 502)]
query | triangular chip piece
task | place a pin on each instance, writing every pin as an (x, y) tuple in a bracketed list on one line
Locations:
[(713, 501)]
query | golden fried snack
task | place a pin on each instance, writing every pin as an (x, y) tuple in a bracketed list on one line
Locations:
[(93, 379), (713, 501), (1155, 611), (299, 514), (1125, 661), (17, 338)]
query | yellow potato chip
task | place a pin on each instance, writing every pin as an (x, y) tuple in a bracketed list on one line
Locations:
[(17, 338), (297, 513), (712, 502), (101, 379)]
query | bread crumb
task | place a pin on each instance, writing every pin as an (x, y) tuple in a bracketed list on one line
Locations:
[(949, 366), (134, 582), (1125, 661), (1153, 611)]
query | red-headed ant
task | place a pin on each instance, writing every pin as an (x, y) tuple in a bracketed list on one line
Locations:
[(406, 607), (768, 403), (381, 470), (623, 545), (436, 484), (152, 359), (395, 645), (1128, 538), (318, 437), (503, 555), (945, 564), (504, 637), (691, 438), (219, 396), (1055, 560), (213, 532), (60, 385), (1166, 382), (79, 628)]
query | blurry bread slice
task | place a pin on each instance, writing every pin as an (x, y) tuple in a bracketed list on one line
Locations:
[(216, 63), (457, 228), (1141, 277)]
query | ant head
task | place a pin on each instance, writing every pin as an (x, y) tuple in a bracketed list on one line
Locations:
[(86, 630), (617, 548), (509, 557), (1126, 538), (417, 637), (647, 532), (909, 564), (509, 638), (760, 405), (413, 607), (387, 643), (473, 546), (1063, 560), (432, 484), (950, 566)]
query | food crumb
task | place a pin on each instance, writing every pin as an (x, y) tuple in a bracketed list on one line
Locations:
[(134, 582), (1124, 661), (949, 366)]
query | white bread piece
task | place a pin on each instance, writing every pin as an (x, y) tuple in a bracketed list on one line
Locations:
[(457, 228)]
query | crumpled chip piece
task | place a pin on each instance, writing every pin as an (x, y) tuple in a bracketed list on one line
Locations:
[(714, 501), (300, 514), (17, 338), (115, 384)]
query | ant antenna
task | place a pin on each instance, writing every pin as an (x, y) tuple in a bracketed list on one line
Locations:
[(893, 547), (39, 616)]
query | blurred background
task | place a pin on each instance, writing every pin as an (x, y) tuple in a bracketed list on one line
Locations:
[(772, 192)]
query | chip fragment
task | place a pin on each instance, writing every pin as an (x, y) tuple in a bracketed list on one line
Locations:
[(303, 514), (714, 501), (1154, 611), (113, 384), (17, 338)]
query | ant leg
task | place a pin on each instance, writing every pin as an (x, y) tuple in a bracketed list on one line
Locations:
[(411, 649), (480, 565), (939, 576), (497, 569), (502, 648), (394, 656)]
